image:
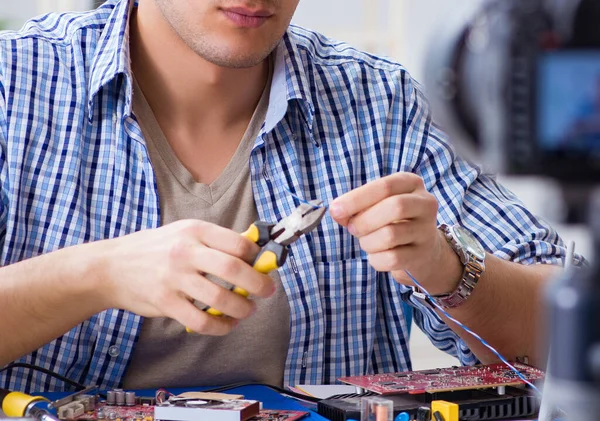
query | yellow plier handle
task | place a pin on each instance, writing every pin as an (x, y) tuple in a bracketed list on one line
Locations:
[(271, 256)]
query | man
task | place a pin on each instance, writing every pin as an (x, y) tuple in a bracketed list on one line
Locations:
[(130, 133)]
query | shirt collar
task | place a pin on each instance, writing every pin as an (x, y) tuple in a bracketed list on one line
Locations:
[(112, 53), (289, 83), (112, 58)]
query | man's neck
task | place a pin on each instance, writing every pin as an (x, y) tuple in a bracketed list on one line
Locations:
[(182, 87)]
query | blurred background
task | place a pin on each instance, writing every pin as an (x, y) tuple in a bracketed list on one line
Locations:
[(400, 29)]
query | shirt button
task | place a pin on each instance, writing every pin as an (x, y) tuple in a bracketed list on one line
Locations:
[(115, 118), (114, 351), (140, 156)]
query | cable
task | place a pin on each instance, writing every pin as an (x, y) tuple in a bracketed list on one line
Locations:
[(270, 386), (300, 199), (45, 371), (491, 348), (304, 201)]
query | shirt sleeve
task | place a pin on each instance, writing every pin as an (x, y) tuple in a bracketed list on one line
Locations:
[(476, 201)]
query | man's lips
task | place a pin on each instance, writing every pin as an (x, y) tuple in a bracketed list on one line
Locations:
[(249, 12), (247, 18)]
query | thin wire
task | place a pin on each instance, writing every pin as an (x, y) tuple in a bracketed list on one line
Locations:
[(300, 199), (306, 202), (491, 348)]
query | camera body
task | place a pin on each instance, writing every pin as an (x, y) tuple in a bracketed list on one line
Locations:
[(519, 88)]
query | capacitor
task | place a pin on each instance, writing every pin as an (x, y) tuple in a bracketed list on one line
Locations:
[(112, 416), (91, 403), (130, 398), (120, 397), (377, 409), (100, 414), (111, 397), (424, 413)]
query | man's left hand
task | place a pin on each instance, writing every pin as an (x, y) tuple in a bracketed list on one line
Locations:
[(395, 221)]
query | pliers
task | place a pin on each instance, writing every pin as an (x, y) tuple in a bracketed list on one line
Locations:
[(274, 239)]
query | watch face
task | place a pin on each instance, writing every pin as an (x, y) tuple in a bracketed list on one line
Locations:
[(466, 239)]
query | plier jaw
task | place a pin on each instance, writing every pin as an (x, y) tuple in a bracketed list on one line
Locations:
[(302, 220)]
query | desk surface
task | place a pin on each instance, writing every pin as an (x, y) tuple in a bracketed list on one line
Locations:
[(269, 398)]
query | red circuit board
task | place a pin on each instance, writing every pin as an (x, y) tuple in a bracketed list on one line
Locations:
[(445, 379), (272, 415), (121, 413), (146, 413)]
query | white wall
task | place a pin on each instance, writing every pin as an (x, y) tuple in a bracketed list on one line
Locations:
[(14, 13), (372, 25), (46, 6)]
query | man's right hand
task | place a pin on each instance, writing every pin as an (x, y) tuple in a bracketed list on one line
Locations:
[(155, 273)]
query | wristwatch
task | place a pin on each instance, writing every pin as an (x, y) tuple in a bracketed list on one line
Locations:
[(472, 256)]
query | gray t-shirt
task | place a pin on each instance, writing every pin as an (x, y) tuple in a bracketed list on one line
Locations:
[(165, 354)]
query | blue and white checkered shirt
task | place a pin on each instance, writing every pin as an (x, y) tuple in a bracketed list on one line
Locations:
[(74, 168)]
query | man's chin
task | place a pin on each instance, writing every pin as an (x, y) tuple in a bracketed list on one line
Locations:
[(238, 58), (237, 62)]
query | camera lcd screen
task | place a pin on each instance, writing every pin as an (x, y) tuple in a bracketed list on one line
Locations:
[(568, 119)]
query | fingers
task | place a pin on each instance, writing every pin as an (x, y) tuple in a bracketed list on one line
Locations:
[(232, 270), (180, 309), (217, 297), (389, 237), (396, 259), (392, 210), (222, 239), (362, 198)]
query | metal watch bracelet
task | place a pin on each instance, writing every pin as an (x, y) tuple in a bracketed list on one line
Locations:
[(472, 256)]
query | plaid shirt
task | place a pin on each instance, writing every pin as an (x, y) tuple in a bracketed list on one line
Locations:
[(74, 168)]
